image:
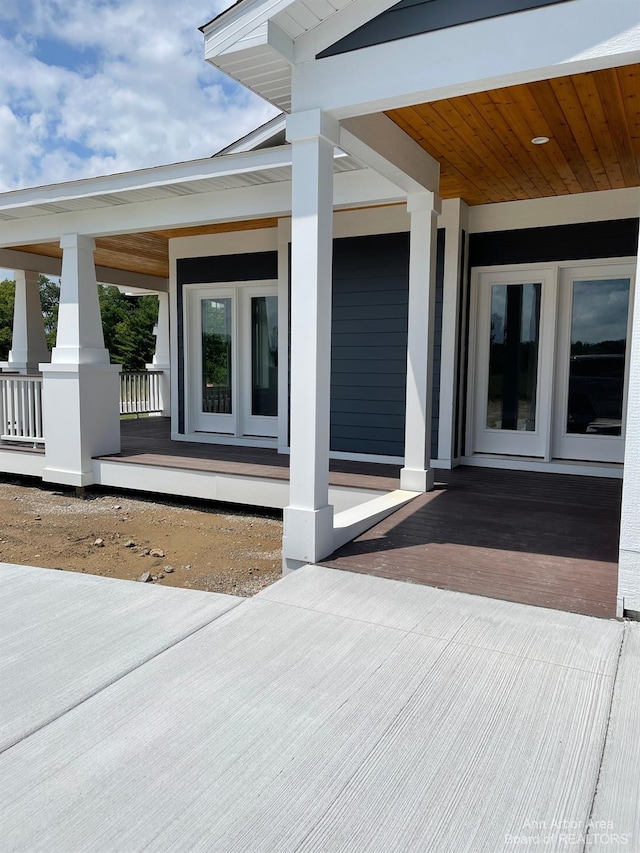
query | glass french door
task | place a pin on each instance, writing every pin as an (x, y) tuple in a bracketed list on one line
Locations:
[(551, 371), (511, 388), (591, 373), (233, 364), (260, 379)]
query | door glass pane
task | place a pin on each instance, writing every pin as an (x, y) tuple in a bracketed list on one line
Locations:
[(216, 356), (513, 356), (596, 366), (264, 356)]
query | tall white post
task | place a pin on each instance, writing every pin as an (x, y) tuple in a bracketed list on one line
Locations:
[(80, 388), (162, 357), (629, 566), (28, 344), (454, 220), (308, 519), (417, 474)]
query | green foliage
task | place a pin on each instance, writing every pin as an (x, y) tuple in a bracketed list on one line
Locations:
[(7, 293), (127, 324), (50, 300), (127, 321)]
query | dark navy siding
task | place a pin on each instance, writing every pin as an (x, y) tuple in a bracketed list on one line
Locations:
[(253, 266), (369, 343), (413, 17), (583, 241)]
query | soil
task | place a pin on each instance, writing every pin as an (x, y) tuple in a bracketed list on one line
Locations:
[(205, 547)]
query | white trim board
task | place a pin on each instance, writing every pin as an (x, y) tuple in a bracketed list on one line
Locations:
[(560, 210), (517, 463), (214, 486)]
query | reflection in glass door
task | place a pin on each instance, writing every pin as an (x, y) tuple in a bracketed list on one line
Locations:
[(591, 375), (261, 373), (513, 356), (214, 361)]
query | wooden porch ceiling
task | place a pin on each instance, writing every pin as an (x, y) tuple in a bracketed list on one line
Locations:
[(146, 252), (483, 141)]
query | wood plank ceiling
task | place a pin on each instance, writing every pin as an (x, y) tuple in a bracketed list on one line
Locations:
[(483, 140), (146, 252)]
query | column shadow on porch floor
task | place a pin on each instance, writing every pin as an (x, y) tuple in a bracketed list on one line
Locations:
[(544, 539)]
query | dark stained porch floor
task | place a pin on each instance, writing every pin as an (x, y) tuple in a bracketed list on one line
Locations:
[(147, 441), (545, 539)]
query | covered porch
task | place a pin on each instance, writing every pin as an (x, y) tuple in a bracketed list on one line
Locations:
[(549, 540)]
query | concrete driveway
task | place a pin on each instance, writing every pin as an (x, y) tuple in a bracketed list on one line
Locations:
[(332, 712)]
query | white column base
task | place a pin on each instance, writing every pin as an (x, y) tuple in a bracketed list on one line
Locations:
[(629, 580), (308, 536), (414, 480), (80, 405)]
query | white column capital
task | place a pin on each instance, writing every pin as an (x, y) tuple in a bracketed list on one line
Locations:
[(77, 241), (426, 201), (311, 124)]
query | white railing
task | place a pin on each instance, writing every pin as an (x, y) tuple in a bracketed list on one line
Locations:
[(140, 392), (21, 409)]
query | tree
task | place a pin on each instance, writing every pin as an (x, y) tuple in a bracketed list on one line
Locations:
[(127, 324), (7, 295), (127, 321)]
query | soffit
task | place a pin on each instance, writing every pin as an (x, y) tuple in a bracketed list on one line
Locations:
[(483, 141)]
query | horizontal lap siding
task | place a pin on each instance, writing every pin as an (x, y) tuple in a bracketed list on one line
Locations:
[(414, 17), (369, 343)]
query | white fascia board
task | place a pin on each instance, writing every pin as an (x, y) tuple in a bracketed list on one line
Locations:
[(177, 173), (15, 260), (567, 38), (558, 210), (239, 21), (256, 137), (382, 145), (361, 187)]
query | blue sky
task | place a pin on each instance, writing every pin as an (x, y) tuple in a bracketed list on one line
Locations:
[(93, 87)]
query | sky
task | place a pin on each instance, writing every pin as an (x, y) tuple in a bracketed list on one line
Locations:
[(93, 87)]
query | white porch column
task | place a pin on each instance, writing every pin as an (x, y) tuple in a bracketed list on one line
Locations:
[(28, 344), (80, 390), (161, 357), (308, 520), (629, 565), (417, 474), (454, 220)]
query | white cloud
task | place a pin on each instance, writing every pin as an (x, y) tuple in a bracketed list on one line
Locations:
[(93, 87)]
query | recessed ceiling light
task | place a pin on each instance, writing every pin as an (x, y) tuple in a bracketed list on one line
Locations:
[(540, 140)]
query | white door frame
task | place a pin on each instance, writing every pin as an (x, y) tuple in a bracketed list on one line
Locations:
[(233, 428), (594, 448), (250, 424), (480, 439), (550, 400)]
